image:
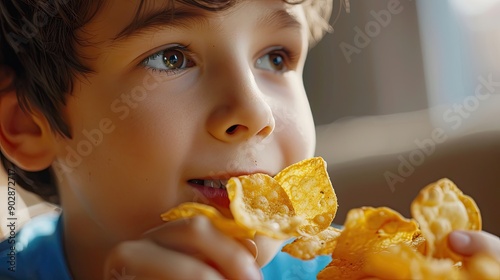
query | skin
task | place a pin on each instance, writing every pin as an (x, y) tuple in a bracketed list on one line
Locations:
[(151, 143)]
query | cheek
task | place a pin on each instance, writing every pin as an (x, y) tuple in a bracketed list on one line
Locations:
[(133, 161), (295, 128)]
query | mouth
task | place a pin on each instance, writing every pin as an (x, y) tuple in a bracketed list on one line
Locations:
[(213, 191), (215, 184)]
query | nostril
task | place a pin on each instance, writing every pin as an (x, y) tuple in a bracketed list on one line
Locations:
[(232, 129), (265, 131)]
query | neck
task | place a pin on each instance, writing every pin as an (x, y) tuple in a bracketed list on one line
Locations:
[(84, 248), (88, 239)]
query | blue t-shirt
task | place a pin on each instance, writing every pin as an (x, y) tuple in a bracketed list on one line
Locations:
[(37, 252)]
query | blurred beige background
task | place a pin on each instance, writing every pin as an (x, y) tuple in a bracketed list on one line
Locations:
[(418, 73)]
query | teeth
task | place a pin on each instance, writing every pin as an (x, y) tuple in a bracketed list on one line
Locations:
[(216, 184)]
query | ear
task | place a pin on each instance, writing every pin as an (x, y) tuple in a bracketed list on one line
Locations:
[(25, 138)]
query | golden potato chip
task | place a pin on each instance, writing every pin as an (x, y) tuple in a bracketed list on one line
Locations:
[(258, 202), (369, 231), (403, 262), (482, 267), (191, 209), (308, 186), (307, 247), (441, 208), (341, 269)]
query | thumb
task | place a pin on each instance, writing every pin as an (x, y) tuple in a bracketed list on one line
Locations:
[(469, 243)]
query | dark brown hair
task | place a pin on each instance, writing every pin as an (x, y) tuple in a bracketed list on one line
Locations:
[(38, 41)]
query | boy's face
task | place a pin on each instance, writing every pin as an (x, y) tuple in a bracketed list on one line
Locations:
[(178, 104)]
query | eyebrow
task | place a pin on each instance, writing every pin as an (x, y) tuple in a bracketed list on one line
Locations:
[(180, 17), (280, 19), (170, 17)]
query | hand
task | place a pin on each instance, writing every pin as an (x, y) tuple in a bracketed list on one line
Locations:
[(184, 249), (469, 243)]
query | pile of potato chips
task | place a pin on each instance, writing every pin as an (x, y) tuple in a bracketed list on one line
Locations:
[(376, 243), (379, 243)]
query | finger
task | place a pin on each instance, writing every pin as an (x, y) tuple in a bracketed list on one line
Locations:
[(145, 260), (468, 243), (251, 247), (197, 236), (249, 244)]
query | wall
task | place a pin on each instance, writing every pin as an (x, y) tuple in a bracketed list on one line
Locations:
[(385, 77)]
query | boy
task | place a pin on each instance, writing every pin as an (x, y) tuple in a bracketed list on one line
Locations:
[(133, 107)]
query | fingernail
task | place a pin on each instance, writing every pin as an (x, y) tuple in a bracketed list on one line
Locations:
[(459, 241), (251, 246)]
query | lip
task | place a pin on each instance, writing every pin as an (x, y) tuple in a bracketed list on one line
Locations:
[(214, 196)]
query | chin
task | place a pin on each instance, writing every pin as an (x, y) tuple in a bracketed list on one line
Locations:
[(267, 248)]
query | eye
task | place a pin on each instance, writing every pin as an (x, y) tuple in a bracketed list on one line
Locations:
[(169, 60), (273, 61)]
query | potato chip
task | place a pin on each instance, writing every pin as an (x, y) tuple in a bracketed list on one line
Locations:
[(307, 247), (308, 186), (482, 267), (403, 262), (441, 208), (341, 269), (191, 209), (259, 202), (368, 231)]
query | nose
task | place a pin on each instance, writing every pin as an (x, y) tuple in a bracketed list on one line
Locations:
[(241, 121), (242, 111)]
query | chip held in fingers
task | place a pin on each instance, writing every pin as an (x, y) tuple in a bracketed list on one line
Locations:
[(441, 208), (299, 200), (191, 209), (258, 202), (438, 209)]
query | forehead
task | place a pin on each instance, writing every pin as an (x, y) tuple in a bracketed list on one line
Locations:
[(119, 19)]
